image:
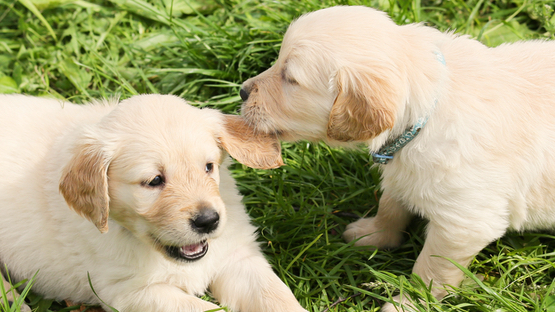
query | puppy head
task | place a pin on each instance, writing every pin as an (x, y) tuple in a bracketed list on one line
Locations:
[(337, 78), (152, 165)]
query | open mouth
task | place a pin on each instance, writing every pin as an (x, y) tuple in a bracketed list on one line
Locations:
[(188, 252)]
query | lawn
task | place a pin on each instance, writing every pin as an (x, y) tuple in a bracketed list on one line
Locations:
[(202, 51)]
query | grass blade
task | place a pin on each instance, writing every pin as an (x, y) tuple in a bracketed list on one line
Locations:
[(31, 7)]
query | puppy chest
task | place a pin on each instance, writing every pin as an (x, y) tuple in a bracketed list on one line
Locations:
[(433, 192), (535, 210)]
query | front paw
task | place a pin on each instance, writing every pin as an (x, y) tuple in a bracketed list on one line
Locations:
[(208, 306), (22, 308), (401, 305), (371, 234), (10, 299)]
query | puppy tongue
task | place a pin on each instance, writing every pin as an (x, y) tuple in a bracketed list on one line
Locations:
[(194, 250)]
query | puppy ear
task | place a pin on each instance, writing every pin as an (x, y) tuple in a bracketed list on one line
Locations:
[(251, 148), (84, 184), (365, 106)]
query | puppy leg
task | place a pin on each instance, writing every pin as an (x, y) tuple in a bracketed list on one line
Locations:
[(12, 295), (157, 298), (459, 242), (382, 231), (250, 285)]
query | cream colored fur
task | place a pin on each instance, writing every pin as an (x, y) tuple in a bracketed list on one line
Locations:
[(484, 163), (107, 153)]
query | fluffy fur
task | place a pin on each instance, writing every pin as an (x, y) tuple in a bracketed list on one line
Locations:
[(484, 163), (102, 160)]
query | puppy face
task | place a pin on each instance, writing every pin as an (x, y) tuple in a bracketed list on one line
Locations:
[(152, 165), (164, 180), (336, 79)]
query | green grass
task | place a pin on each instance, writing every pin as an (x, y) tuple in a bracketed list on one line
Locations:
[(19, 300), (202, 51)]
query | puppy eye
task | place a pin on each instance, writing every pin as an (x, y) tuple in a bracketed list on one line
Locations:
[(288, 78), (209, 167), (157, 181), (292, 81)]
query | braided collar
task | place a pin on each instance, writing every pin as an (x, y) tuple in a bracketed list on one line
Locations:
[(385, 154)]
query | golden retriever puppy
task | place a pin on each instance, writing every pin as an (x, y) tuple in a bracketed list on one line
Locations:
[(156, 216), (464, 134)]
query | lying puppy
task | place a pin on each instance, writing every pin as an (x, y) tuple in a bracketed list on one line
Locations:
[(465, 133), (150, 174)]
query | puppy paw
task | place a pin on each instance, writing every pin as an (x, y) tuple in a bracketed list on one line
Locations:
[(11, 299), (25, 308), (208, 306), (388, 307), (402, 305), (22, 308), (371, 234)]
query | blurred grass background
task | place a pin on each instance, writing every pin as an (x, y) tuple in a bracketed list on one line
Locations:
[(202, 51)]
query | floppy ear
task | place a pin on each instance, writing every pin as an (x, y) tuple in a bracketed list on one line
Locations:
[(365, 106), (84, 184), (251, 148)]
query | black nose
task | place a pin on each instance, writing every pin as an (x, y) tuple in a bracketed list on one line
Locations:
[(205, 221), (244, 94)]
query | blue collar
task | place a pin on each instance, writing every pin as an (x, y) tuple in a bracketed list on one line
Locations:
[(385, 154)]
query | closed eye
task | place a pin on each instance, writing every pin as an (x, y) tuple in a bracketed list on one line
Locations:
[(292, 81), (287, 78)]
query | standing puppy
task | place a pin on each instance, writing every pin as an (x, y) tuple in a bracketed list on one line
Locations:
[(157, 218), (465, 133)]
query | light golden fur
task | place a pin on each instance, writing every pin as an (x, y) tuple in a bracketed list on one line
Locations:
[(484, 163), (99, 160)]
